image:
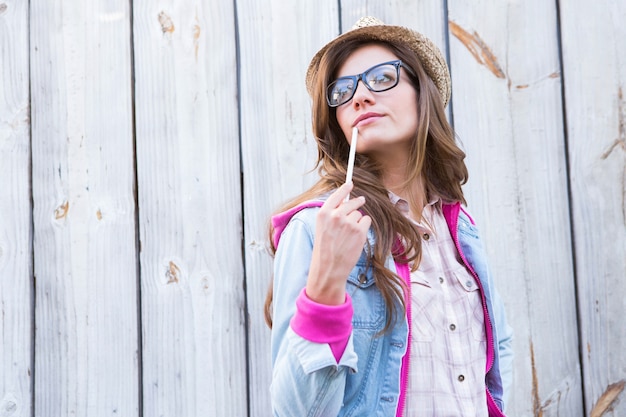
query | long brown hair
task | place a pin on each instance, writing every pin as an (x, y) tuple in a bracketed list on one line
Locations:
[(434, 155)]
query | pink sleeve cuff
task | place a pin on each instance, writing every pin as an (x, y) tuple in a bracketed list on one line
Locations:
[(320, 323)]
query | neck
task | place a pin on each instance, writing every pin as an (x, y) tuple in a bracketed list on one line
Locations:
[(414, 192)]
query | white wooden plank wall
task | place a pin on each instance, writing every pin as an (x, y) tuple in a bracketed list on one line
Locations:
[(189, 199), (507, 113), (594, 66), (277, 40), (16, 298), (86, 352), (164, 133)]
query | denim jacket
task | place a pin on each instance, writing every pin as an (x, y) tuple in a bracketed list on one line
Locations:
[(368, 380)]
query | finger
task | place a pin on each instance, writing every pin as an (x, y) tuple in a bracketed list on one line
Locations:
[(354, 216), (365, 222), (352, 204), (335, 199)]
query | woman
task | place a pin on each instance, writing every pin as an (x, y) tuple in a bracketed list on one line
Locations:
[(382, 303)]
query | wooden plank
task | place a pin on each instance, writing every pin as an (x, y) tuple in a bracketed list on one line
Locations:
[(594, 59), (277, 41), (16, 282), (506, 93), (84, 211), (193, 301), (424, 17)]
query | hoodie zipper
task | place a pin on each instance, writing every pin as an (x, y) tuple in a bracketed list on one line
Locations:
[(491, 403), (404, 376), (488, 324)]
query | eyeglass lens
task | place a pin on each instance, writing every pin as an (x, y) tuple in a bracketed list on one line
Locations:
[(379, 78)]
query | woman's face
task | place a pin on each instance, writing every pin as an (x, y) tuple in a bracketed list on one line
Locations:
[(387, 120)]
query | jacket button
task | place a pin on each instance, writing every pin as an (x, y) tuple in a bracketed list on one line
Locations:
[(362, 278), (461, 378), (426, 236), (453, 327)]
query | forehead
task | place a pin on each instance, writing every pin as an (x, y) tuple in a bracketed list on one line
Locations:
[(365, 57)]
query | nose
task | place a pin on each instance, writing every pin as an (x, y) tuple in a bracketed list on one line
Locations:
[(362, 95)]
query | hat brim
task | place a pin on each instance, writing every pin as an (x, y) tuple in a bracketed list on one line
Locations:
[(429, 55)]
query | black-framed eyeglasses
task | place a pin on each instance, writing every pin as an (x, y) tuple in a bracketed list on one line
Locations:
[(381, 77)]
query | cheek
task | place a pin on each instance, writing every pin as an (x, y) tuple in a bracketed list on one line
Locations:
[(411, 116), (344, 121), (410, 111)]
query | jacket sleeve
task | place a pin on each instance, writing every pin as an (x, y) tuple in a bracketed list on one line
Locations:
[(505, 346), (307, 378)]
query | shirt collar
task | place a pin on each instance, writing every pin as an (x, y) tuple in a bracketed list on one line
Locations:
[(403, 205)]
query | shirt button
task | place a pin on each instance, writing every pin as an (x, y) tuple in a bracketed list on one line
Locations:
[(453, 327), (440, 280), (461, 378), (468, 283), (426, 236)]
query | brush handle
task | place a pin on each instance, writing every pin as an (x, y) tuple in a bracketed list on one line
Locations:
[(355, 135)]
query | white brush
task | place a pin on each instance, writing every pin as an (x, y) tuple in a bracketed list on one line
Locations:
[(355, 134)]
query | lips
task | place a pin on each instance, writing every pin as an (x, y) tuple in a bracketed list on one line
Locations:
[(365, 118)]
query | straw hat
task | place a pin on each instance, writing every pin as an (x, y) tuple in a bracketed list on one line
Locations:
[(371, 28)]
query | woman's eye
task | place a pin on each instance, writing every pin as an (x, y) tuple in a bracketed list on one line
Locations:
[(381, 78)]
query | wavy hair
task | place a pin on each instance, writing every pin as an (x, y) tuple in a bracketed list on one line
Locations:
[(434, 156)]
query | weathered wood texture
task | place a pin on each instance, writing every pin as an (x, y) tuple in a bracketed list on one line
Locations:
[(16, 297), (427, 16), (508, 115), (86, 355), (189, 198), (594, 67), (164, 133), (277, 40)]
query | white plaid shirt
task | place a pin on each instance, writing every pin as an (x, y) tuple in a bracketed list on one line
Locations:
[(448, 345)]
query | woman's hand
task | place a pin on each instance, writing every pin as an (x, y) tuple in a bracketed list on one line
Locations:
[(340, 234)]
